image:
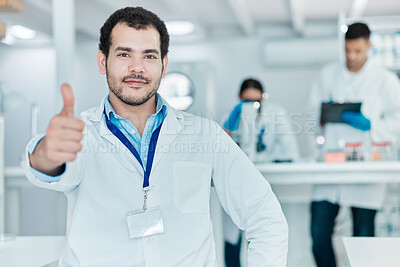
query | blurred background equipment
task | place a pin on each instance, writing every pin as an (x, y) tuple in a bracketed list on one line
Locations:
[(9, 100)]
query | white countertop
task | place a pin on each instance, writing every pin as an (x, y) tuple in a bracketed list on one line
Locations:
[(32, 251), (331, 173), (372, 251), (298, 167)]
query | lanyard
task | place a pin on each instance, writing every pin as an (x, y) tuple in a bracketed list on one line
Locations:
[(150, 154)]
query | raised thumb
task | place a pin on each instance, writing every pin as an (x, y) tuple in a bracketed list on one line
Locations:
[(68, 99)]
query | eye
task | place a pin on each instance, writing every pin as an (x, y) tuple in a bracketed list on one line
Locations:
[(150, 57), (123, 55)]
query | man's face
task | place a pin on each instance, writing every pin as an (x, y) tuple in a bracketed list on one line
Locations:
[(134, 66), (251, 94), (356, 53)]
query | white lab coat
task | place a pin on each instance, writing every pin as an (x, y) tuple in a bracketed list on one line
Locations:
[(279, 137), (105, 182), (379, 92), (281, 143)]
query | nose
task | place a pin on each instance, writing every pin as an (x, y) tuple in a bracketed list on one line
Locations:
[(350, 55), (136, 65)]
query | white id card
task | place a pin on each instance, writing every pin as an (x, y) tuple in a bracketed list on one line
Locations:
[(145, 222)]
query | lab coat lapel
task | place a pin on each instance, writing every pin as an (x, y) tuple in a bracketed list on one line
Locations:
[(98, 117), (169, 131), (110, 137), (107, 134)]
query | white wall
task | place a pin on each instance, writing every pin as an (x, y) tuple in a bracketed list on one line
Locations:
[(91, 86), (30, 72), (234, 60)]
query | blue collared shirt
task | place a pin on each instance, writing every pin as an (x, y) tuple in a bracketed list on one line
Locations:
[(141, 143)]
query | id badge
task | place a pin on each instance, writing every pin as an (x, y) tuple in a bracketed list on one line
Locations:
[(143, 223)]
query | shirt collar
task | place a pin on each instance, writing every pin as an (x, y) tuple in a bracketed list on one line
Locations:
[(161, 107)]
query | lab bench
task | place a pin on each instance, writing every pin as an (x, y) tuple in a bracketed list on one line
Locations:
[(31, 251), (19, 216), (364, 172)]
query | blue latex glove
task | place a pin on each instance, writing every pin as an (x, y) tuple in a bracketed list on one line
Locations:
[(233, 121), (356, 120)]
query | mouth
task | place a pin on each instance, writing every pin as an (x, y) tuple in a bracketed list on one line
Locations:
[(135, 82)]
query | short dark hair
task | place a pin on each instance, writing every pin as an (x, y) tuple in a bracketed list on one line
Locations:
[(250, 83), (357, 30), (137, 18)]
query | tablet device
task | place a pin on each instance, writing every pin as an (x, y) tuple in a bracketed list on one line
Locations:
[(332, 112)]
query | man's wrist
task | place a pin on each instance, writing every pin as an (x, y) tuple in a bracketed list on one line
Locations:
[(39, 161)]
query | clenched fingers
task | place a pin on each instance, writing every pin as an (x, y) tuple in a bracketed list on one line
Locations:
[(64, 122)]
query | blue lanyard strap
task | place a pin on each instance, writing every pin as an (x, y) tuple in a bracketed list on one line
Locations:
[(128, 144)]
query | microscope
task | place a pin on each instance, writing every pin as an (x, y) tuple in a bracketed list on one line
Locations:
[(249, 135)]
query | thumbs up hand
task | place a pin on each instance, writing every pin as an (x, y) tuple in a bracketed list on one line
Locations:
[(62, 141), (68, 98)]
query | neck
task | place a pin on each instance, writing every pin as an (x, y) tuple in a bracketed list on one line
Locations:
[(138, 115)]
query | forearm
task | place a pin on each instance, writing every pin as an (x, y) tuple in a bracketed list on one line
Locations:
[(64, 182)]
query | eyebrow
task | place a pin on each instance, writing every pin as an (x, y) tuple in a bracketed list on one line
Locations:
[(151, 51), (127, 49)]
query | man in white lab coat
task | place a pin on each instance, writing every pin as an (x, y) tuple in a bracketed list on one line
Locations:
[(276, 141), (363, 80), (137, 173)]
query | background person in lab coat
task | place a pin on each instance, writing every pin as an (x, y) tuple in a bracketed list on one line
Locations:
[(363, 80), (121, 214), (278, 142)]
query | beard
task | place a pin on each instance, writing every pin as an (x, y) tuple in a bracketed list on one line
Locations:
[(117, 89), (356, 64)]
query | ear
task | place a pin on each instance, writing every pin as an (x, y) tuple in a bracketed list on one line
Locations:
[(165, 63), (369, 45), (101, 62)]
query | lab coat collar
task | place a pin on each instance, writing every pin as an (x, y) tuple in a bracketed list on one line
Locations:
[(99, 117), (98, 114), (171, 127)]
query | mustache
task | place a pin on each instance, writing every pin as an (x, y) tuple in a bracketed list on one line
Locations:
[(136, 77)]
